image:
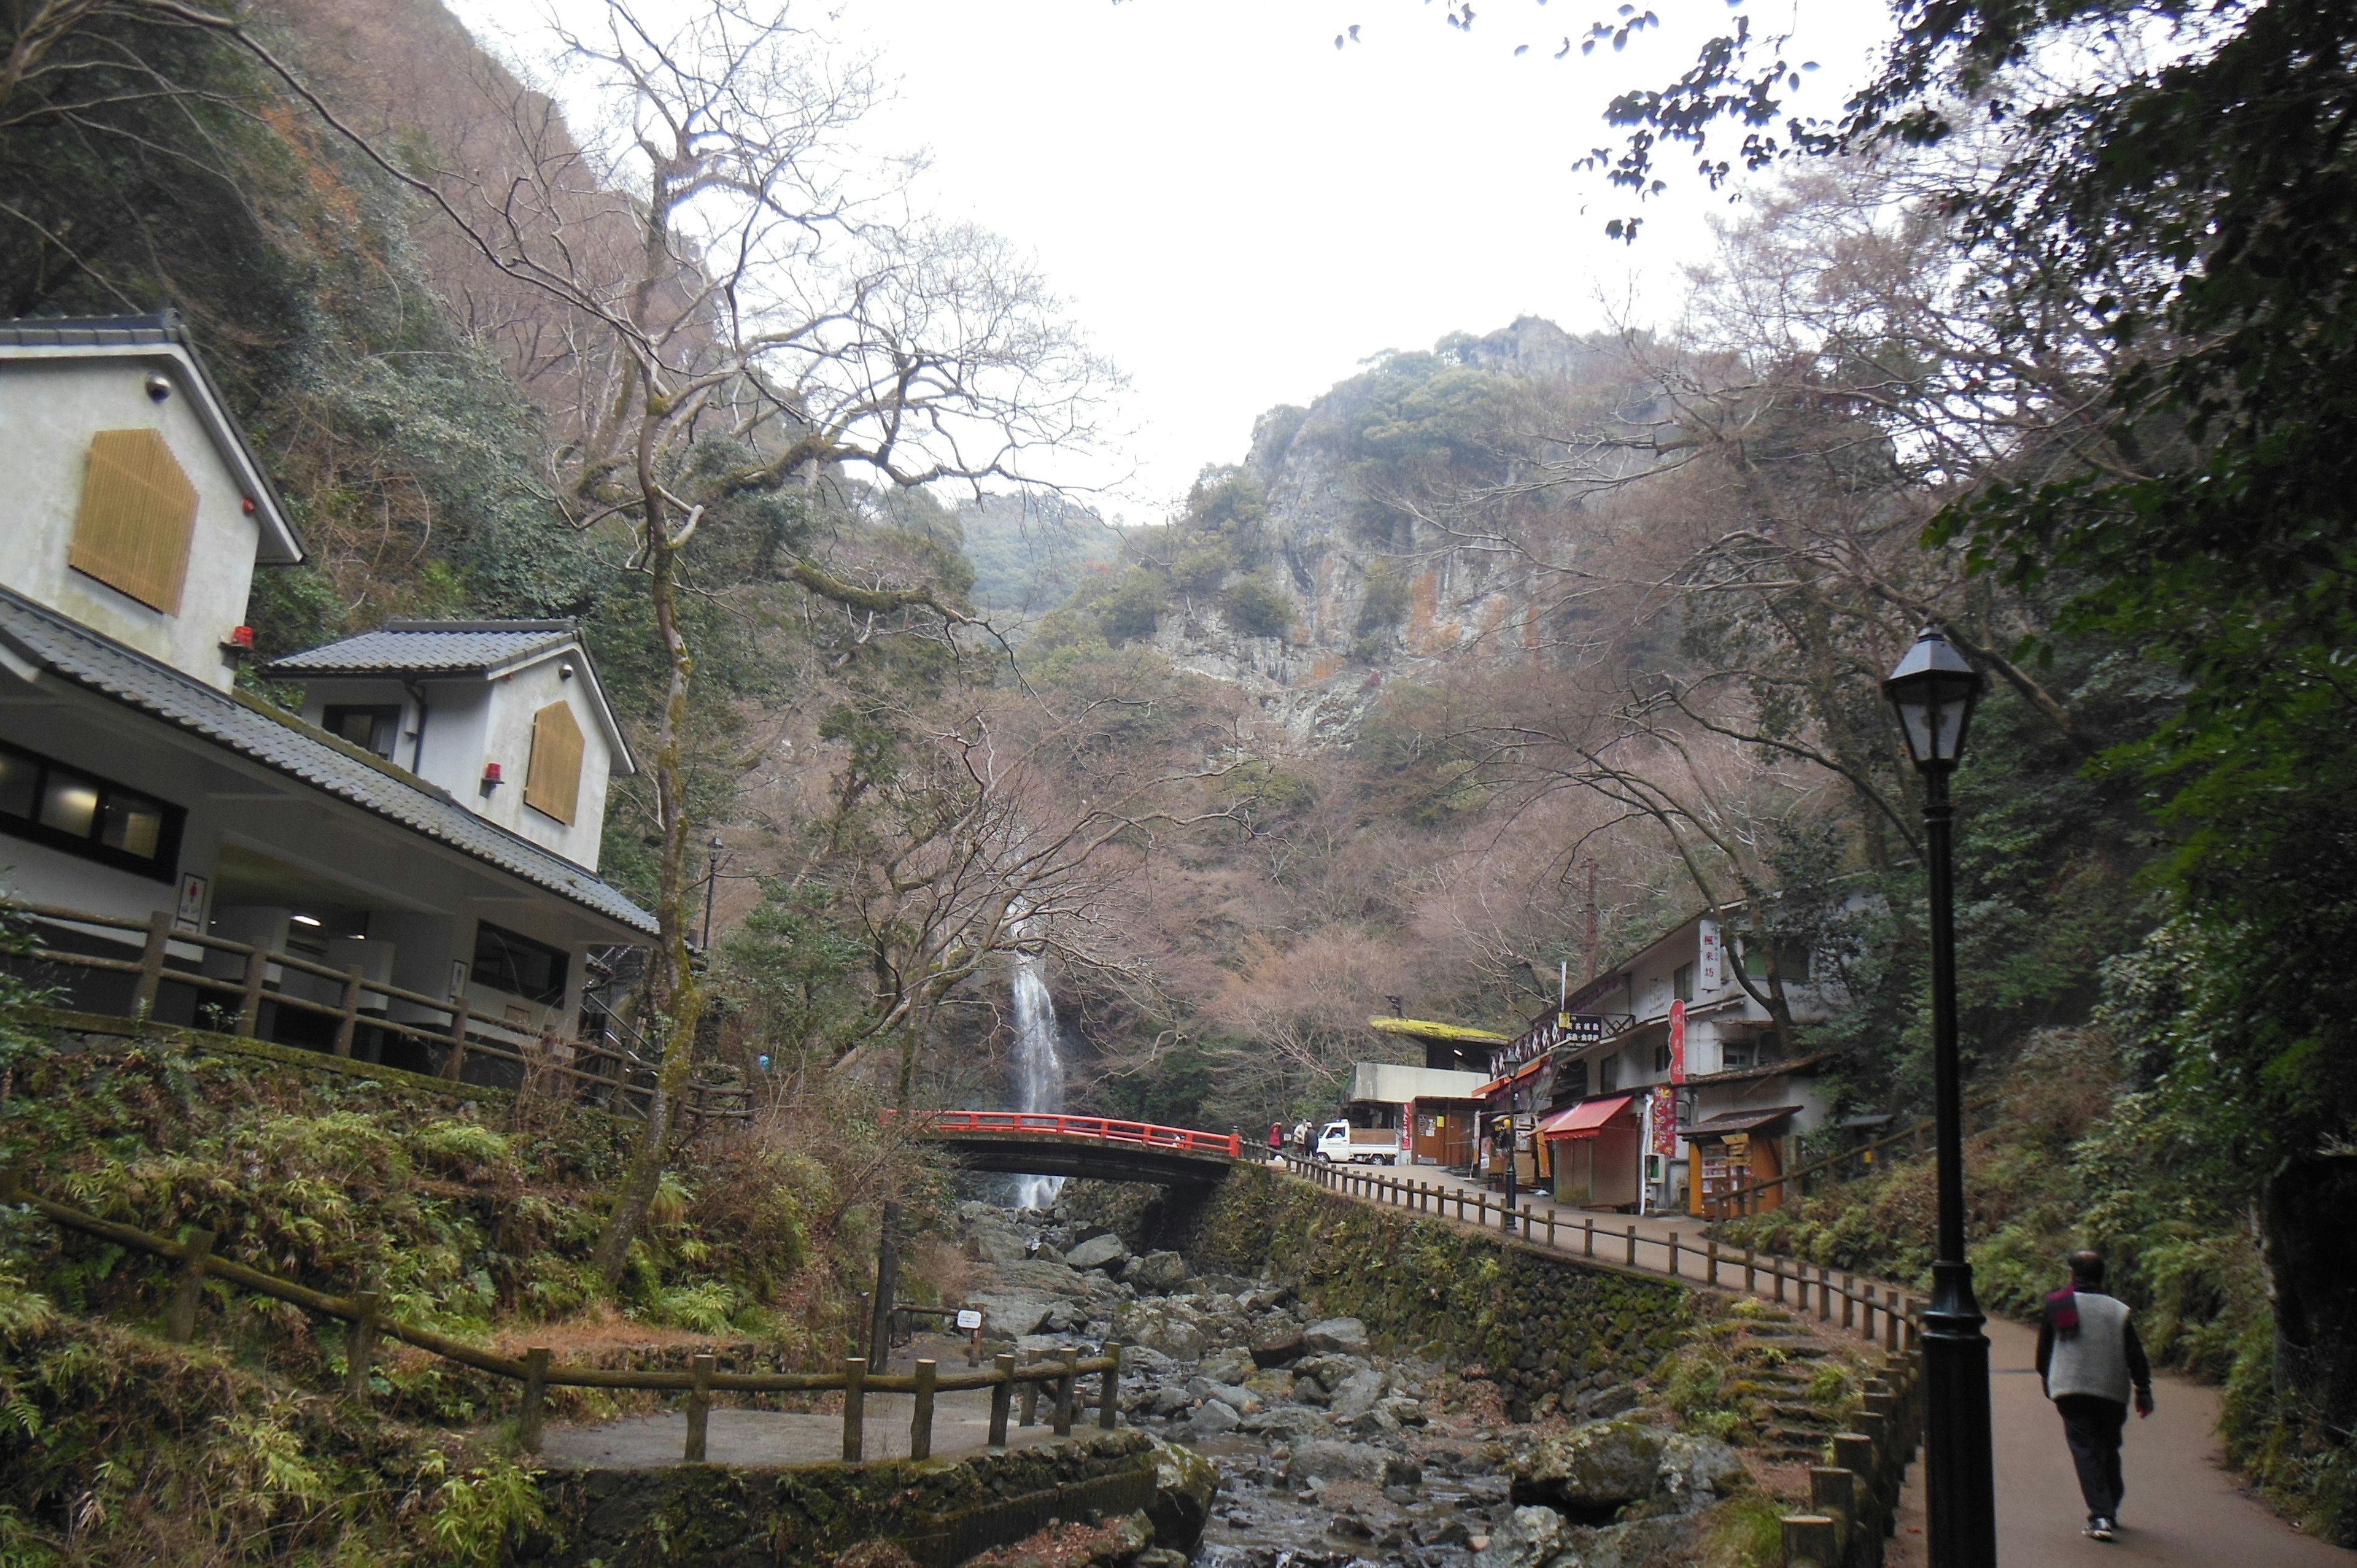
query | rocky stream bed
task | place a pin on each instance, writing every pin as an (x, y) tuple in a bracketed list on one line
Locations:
[(1329, 1450)]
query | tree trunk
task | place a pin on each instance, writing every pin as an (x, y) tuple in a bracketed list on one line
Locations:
[(677, 997)]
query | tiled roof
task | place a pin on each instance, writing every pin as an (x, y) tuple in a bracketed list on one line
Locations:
[(286, 742), (44, 337), (428, 647)]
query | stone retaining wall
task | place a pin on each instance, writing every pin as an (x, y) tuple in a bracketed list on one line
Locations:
[(721, 1514), (1537, 1322)]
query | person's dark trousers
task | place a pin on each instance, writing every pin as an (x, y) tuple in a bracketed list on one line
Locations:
[(2092, 1425)]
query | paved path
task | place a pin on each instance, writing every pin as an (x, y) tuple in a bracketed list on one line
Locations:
[(2183, 1507), (767, 1437)]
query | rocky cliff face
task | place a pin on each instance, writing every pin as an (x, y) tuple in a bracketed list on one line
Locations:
[(1378, 590)]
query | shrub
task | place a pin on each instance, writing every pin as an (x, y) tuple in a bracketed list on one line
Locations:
[(1258, 608)]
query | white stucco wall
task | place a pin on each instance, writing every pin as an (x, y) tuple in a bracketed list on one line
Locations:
[(50, 409), (470, 722), (507, 740)]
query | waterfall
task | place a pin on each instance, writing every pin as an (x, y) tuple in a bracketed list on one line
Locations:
[(1039, 1068)]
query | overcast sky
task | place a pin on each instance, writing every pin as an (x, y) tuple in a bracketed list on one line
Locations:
[(1238, 213)]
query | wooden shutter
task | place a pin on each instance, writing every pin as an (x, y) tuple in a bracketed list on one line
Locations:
[(138, 511), (552, 783)]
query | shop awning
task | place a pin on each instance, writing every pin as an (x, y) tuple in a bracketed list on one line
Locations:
[(1719, 1126), (1585, 1119), (1498, 1085)]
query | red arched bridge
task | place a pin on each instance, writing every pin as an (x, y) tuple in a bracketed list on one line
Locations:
[(1041, 1143)]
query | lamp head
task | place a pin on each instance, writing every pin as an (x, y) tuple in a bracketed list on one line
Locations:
[(1934, 691)]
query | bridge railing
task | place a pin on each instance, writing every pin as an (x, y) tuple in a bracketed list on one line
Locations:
[(1104, 1129)]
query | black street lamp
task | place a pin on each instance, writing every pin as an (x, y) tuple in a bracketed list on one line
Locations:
[(1935, 690)]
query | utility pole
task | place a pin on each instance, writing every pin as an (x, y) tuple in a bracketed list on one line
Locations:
[(711, 884)]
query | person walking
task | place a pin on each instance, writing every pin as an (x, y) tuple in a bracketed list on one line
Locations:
[(1301, 1137), (2090, 1363), (1276, 1141)]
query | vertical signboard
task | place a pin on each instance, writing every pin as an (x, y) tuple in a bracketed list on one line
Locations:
[(1711, 968), (1665, 1120), (1677, 1042)]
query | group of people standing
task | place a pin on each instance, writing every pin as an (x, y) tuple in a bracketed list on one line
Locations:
[(1302, 1133)]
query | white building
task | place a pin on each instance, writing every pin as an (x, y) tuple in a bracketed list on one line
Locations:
[(431, 818), (1715, 1100)]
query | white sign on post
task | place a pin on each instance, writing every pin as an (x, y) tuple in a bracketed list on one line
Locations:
[(1713, 964), (968, 1318)]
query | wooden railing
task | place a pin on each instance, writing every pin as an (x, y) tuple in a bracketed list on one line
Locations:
[(622, 1079), (537, 1370), (1181, 1140), (1785, 1281)]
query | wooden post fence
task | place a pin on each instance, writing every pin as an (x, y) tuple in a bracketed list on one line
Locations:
[(921, 1423)]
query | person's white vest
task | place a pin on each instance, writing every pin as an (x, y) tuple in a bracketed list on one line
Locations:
[(2094, 1360)]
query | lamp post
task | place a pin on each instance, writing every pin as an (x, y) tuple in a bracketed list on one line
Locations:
[(1934, 690)]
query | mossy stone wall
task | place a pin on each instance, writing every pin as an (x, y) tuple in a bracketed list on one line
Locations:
[(721, 1516), (1536, 1321)]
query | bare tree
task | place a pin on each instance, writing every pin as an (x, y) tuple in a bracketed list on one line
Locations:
[(778, 318)]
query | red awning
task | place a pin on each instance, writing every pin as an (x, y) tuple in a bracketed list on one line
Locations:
[(1520, 1073), (1585, 1119)]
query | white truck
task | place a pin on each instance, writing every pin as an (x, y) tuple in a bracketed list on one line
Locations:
[(1341, 1144)]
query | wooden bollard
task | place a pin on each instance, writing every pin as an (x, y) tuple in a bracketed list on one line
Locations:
[(1030, 1413), (1109, 1399), (1866, 1309), (348, 1016), (1550, 1224), (1891, 1313), (1710, 1260), (1776, 1269), (921, 1421), (1811, 1541), (699, 1407), (1002, 1399), (1850, 1302), (1632, 1246), (1750, 1282), (535, 1396), (359, 1343), (1673, 1254), (180, 1323), (1588, 1233), (1854, 1451), (855, 1410), (1834, 1492), (1824, 1294), (1066, 1390), (1801, 1288)]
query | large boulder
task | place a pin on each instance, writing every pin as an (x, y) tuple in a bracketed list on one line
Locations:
[(1695, 1469), (1357, 1395), (996, 1244), (1159, 1326), (1285, 1421), (1530, 1538), (1212, 1417), (1591, 1472), (1278, 1345), (1344, 1335), (1185, 1483), (1010, 1313), (1156, 1271), (1228, 1367), (1106, 1251), (1333, 1461)]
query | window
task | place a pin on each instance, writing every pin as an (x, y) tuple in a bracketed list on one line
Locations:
[(370, 728), (1791, 958), (518, 965), (1732, 1055), (1571, 1082), (81, 814), (552, 783), (1662, 1056), (1682, 982), (138, 509), (1607, 1074)]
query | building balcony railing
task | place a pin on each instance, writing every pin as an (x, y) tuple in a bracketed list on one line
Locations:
[(449, 1042)]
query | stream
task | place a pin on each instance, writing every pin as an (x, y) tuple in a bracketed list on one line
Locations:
[(1331, 1453)]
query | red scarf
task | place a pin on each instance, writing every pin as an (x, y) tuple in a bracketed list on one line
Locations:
[(2062, 1311)]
